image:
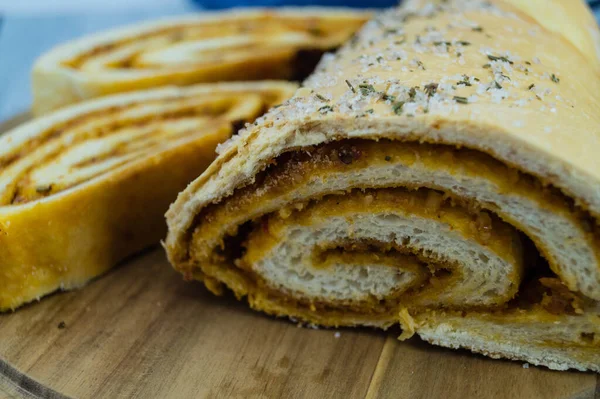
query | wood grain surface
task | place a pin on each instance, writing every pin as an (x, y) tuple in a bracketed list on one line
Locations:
[(141, 331)]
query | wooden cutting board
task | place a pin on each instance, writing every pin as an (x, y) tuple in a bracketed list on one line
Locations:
[(141, 331)]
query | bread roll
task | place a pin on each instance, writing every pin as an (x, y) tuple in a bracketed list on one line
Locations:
[(239, 44), (441, 171), (84, 187)]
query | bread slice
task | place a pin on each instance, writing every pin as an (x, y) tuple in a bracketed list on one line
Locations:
[(83, 188), (440, 171), (238, 44)]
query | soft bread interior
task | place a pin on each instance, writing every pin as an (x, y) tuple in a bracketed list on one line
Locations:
[(487, 275)]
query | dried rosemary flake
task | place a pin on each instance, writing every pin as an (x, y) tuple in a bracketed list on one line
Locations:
[(501, 58), (531, 86), (366, 89), (350, 86), (369, 111), (461, 100), (412, 93), (487, 66), (431, 89), (478, 29), (465, 81), (554, 78), (325, 109), (397, 107), (320, 97)]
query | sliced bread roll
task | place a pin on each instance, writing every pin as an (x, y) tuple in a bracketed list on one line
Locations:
[(239, 44), (82, 188), (440, 172)]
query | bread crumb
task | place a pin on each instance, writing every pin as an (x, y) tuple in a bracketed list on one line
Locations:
[(408, 325), (526, 366)]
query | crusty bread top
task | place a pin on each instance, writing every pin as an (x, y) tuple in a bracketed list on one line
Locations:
[(571, 19), (485, 75)]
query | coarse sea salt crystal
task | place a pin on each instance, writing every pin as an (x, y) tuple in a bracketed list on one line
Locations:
[(522, 102), (498, 95)]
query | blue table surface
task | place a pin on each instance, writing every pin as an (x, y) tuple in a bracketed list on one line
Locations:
[(23, 38)]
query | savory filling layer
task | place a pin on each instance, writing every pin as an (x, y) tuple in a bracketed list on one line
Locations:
[(98, 142), (360, 231), (565, 236), (210, 43)]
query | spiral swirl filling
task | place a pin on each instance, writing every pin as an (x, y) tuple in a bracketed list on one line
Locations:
[(99, 142), (233, 39), (359, 231)]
